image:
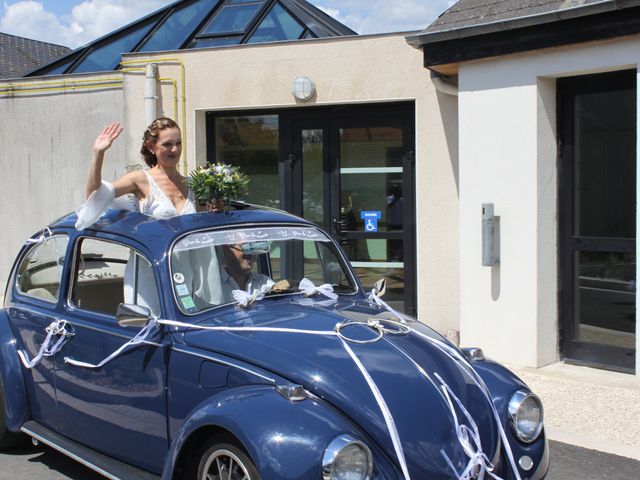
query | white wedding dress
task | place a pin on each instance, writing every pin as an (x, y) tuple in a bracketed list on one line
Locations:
[(199, 268)]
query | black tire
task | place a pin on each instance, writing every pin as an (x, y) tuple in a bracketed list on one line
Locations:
[(218, 455), (8, 439)]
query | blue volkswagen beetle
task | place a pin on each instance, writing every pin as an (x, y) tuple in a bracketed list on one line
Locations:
[(241, 345)]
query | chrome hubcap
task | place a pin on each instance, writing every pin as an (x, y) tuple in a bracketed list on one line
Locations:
[(224, 465)]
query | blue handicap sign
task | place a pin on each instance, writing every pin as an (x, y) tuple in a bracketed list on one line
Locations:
[(371, 220)]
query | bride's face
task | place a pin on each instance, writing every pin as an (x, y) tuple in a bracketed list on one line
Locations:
[(168, 147)]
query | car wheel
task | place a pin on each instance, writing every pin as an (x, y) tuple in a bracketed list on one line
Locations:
[(7, 438), (225, 461)]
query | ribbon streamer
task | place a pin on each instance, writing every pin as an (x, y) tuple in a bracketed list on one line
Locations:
[(373, 297), (56, 328), (468, 435), (308, 289), (139, 338)]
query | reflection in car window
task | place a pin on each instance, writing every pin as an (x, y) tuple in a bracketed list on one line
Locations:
[(204, 265), (107, 274), (40, 272)]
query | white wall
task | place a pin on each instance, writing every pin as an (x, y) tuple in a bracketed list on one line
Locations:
[(46, 138), (508, 156)]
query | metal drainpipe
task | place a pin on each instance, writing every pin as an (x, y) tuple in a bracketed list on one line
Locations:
[(442, 85), (151, 93)]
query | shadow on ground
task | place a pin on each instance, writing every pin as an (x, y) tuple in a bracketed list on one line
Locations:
[(569, 462)]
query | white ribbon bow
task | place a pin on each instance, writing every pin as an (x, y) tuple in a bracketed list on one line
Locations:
[(308, 288), (57, 328), (244, 299)]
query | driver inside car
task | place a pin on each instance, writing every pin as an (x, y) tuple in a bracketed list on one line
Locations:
[(238, 273)]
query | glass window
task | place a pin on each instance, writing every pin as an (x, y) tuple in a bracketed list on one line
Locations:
[(107, 274), (60, 68), (215, 41), (371, 177), (605, 173), (40, 272), (312, 176), (107, 57), (232, 19), (206, 267), (278, 25), (606, 298), (178, 27), (251, 143)]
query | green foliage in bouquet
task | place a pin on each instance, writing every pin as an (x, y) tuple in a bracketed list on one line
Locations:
[(218, 181)]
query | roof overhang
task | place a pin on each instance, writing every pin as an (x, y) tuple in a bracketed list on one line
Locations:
[(445, 49)]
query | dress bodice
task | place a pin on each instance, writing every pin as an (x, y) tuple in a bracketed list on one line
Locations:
[(158, 205)]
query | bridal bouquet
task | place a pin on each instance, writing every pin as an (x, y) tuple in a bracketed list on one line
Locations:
[(218, 182)]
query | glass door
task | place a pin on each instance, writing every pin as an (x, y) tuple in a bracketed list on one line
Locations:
[(597, 125), (354, 177)]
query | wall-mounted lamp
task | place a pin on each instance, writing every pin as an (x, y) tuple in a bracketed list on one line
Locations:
[(303, 88)]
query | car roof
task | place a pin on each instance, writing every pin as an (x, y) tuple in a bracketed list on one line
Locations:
[(160, 233)]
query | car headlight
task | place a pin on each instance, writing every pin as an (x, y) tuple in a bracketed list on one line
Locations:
[(347, 458), (525, 412)]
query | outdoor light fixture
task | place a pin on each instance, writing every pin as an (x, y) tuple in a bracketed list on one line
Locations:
[(303, 88)]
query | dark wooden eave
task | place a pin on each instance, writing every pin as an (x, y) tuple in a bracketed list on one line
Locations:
[(443, 51)]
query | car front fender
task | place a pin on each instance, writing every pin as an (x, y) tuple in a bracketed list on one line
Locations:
[(285, 439), (15, 394)]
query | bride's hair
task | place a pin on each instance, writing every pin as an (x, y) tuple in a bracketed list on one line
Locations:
[(151, 135)]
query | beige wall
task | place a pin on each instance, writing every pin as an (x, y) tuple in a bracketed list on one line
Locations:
[(47, 137), (346, 70)]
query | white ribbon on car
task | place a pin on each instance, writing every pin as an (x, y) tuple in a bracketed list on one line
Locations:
[(375, 298), (308, 289), (44, 237), (140, 337), (57, 328), (468, 436)]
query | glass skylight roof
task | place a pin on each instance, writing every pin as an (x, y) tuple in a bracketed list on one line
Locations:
[(201, 24)]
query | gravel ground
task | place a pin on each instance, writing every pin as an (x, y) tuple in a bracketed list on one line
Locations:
[(589, 408)]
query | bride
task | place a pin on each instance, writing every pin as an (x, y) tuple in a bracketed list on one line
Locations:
[(160, 191)]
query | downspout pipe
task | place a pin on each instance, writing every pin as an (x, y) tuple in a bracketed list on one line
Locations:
[(443, 84), (151, 93)]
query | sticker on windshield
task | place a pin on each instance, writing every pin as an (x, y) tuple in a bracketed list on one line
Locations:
[(182, 290), (187, 302), (178, 277)]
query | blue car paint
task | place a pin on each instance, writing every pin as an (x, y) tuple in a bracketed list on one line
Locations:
[(344, 405), (16, 404), (286, 439)]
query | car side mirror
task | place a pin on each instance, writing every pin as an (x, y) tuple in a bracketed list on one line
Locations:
[(380, 286), (130, 315)]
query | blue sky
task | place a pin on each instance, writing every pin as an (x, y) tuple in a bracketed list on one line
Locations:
[(76, 22)]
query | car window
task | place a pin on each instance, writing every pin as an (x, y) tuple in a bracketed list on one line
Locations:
[(40, 272), (208, 266), (108, 273)]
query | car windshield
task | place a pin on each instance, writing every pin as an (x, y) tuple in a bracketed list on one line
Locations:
[(206, 267)]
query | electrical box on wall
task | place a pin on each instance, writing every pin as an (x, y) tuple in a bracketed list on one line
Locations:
[(490, 236)]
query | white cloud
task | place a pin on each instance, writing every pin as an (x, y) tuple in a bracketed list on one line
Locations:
[(88, 20), (367, 16)]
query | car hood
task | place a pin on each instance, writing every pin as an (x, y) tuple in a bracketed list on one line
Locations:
[(323, 366)]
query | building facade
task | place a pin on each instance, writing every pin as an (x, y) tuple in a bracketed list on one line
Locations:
[(495, 190)]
